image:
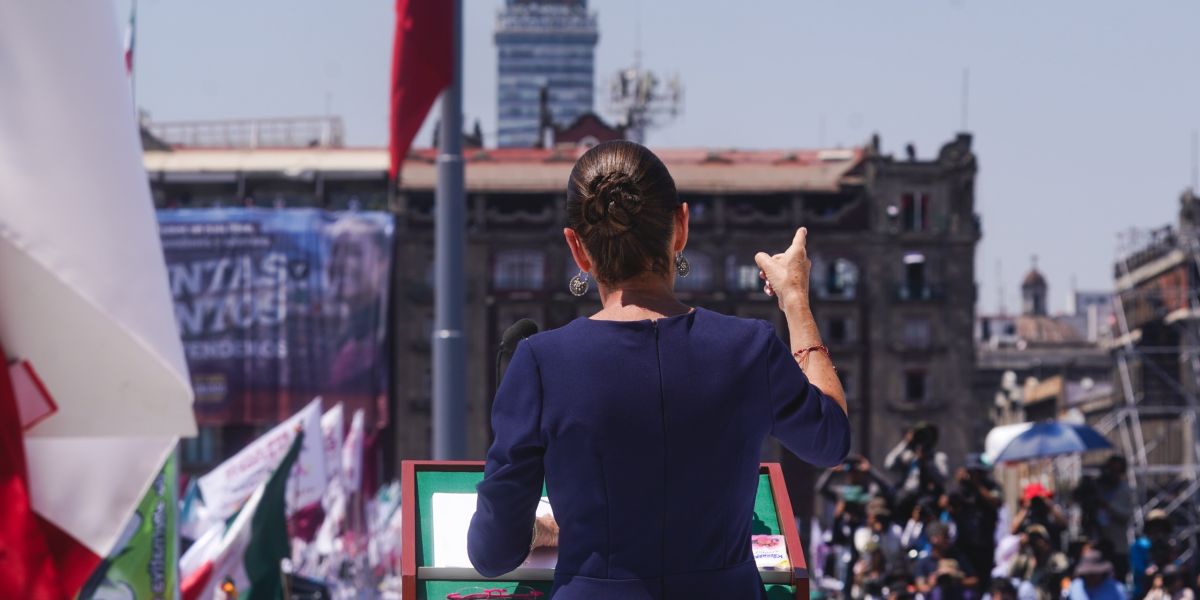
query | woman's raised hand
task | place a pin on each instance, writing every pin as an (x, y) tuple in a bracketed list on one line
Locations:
[(787, 274)]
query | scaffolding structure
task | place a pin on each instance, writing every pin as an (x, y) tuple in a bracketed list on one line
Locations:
[(1157, 360)]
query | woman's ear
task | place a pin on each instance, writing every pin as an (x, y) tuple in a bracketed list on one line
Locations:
[(681, 227), (578, 252)]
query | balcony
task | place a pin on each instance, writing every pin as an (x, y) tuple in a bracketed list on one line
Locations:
[(908, 292)]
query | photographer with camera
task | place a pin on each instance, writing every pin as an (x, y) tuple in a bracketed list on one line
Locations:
[(1039, 567), (922, 469), (857, 477), (1038, 508)]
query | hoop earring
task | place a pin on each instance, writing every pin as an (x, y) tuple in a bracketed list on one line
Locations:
[(579, 284), (682, 266)]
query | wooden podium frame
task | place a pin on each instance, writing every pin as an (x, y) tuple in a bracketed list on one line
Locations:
[(411, 573)]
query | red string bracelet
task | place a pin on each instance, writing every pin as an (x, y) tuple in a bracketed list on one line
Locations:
[(801, 355)]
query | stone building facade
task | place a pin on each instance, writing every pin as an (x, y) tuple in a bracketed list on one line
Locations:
[(893, 245)]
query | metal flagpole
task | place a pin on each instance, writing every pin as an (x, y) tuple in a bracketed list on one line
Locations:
[(449, 355)]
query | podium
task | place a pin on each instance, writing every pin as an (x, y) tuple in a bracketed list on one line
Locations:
[(421, 580)]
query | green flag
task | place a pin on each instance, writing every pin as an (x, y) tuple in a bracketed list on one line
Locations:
[(269, 542), (143, 563), (252, 546)]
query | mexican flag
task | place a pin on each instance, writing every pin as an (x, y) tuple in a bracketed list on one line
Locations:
[(100, 391), (247, 557)]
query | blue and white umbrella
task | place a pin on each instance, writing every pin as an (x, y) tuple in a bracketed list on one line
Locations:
[(1047, 440)]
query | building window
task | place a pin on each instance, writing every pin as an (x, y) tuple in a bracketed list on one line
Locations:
[(914, 212), (915, 286), (202, 449), (836, 279), (700, 279), (917, 332), (915, 386), (519, 270), (741, 277), (838, 330)]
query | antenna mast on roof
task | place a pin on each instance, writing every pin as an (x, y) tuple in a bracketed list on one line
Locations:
[(642, 99)]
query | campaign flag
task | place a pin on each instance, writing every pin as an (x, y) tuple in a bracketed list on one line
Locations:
[(279, 306), (422, 66), (194, 518), (253, 544), (143, 565), (84, 299), (352, 454), (231, 483), (195, 566), (332, 429)]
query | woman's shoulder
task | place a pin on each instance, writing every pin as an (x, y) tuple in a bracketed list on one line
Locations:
[(738, 326)]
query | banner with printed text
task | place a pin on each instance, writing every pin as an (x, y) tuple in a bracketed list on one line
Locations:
[(143, 563), (277, 306)]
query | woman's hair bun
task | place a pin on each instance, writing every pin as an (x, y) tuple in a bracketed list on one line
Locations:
[(622, 203), (611, 203)]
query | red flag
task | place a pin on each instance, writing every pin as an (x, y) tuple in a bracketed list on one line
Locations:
[(37, 560), (129, 35), (422, 65)]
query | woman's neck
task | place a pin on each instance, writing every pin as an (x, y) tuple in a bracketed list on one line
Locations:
[(646, 296)]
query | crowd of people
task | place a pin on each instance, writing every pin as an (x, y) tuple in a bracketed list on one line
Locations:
[(914, 530)]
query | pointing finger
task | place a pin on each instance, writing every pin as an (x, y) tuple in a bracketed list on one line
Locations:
[(801, 239)]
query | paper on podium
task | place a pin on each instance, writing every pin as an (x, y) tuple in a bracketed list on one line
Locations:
[(452, 518)]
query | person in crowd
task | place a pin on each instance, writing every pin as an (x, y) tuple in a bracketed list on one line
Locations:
[(859, 476), (1086, 499), (1114, 507), (849, 517), (977, 515), (941, 547), (1094, 580), (899, 585), (1038, 508), (922, 469), (950, 582), (1039, 564), (1153, 551), (881, 531), (915, 535), (870, 572), (1169, 585), (1001, 588)]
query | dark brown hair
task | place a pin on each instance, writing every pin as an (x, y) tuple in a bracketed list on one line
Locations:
[(621, 201)]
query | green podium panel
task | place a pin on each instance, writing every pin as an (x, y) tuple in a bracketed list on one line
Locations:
[(420, 480)]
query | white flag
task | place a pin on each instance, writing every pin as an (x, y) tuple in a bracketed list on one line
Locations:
[(352, 454), (332, 427), (228, 486)]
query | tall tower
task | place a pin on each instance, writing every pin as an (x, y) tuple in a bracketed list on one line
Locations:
[(540, 44), (1033, 292)]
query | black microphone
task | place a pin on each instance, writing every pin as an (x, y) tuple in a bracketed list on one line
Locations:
[(512, 336), (517, 332)]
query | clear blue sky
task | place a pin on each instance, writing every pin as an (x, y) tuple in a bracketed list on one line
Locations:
[(1082, 110)]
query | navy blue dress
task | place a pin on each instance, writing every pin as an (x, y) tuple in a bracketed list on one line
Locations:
[(647, 434)]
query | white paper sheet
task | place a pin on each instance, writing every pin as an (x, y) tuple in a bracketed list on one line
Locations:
[(452, 518)]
